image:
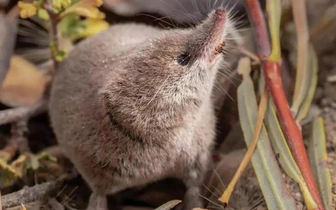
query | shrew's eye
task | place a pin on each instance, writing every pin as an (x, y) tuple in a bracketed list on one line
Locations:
[(183, 59)]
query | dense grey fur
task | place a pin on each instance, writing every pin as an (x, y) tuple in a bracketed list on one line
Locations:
[(127, 114)]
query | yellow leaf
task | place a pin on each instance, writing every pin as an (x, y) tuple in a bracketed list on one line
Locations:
[(8, 175), (23, 84), (86, 8), (93, 26), (26, 9), (23, 207)]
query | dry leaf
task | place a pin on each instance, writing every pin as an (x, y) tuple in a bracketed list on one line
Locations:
[(24, 83)]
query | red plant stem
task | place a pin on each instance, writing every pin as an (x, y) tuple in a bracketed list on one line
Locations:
[(275, 87), (261, 35), (289, 126)]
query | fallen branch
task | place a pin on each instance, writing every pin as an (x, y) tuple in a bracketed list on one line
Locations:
[(16, 114), (29, 194)]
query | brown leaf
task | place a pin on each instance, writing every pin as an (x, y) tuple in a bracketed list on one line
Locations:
[(24, 83)]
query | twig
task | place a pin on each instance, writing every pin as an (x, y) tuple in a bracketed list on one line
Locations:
[(53, 36), (15, 114), (274, 83), (29, 194), (251, 55)]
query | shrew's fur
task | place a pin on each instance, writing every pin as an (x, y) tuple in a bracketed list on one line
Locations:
[(128, 111)]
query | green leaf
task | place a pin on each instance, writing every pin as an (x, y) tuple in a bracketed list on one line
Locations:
[(38, 2), (74, 2), (45, 156), (61, 4), (319, 161), (71, 25), (296, 41), (263, 160), (280, 146), (169, 205), (306, 81), (286, 159), (43, 14), (310, 78), (274, 19), (34, 162), (8, 175), (59, 55), (306, 76), (92, 27)]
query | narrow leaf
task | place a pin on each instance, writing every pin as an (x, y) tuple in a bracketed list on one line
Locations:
[(247, 157), (311, 77), (274, 8), (306, 63), (286, 159), (319, 161), (263, 160), (23, 207)]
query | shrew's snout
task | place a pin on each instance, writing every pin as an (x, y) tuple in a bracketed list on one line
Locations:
[(212, 32)]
